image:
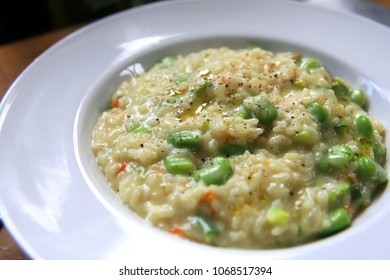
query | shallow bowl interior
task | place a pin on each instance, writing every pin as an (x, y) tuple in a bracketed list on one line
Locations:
[(98, 98)]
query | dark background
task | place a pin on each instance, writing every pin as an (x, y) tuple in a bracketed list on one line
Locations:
[(21, 19)]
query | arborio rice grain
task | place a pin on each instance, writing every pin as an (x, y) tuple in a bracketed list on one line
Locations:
[(241, 148)]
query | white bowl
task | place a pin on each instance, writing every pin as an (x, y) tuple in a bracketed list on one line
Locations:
[(55, 200)]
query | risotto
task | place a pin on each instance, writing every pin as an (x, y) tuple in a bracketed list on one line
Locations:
[(241, 148)]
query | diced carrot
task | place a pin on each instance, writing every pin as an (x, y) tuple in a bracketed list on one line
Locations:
[(269, 67), (351, 208), (209, 197), (213, 213), (115, 103), (296, 56), (348, 178), (224, 79), (184, 89), (178, 231), (122, 168), (225, 136)]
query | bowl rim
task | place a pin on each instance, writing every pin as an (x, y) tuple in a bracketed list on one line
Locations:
[(75, 43)]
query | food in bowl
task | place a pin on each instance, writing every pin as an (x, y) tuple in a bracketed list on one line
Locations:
[(241, 148)]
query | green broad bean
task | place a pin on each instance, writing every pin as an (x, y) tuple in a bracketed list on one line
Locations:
[(371, 170), (300, 83), (243, 112), (336, 157), (181, 78), (366, 168), (358, 96), (267, 114), (364, 126), (322, 165), (276, 216), (337, 192), (253, 46), (356, 197), (184, 140), (216, 172), (339, 155), (200, 89), (341, 127), (319, 112), (340, 219), (232, 150), (207, 227), (381, 174), (260, 107), (340, 89), (302, 137), (308, 63), (178, 165), (380, 152), (167, 61), (343, 89)]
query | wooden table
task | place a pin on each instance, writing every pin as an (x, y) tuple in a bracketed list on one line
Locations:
[(14, 58), (385, 3)]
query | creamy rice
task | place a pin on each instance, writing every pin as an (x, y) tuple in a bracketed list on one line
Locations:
[(241, 148)]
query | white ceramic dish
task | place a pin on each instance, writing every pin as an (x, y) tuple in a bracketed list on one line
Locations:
[(53, 198)]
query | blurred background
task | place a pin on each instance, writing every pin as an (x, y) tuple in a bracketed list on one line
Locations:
[(25, 18)]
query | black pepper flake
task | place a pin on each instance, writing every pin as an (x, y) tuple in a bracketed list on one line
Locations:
[(142, 145)]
